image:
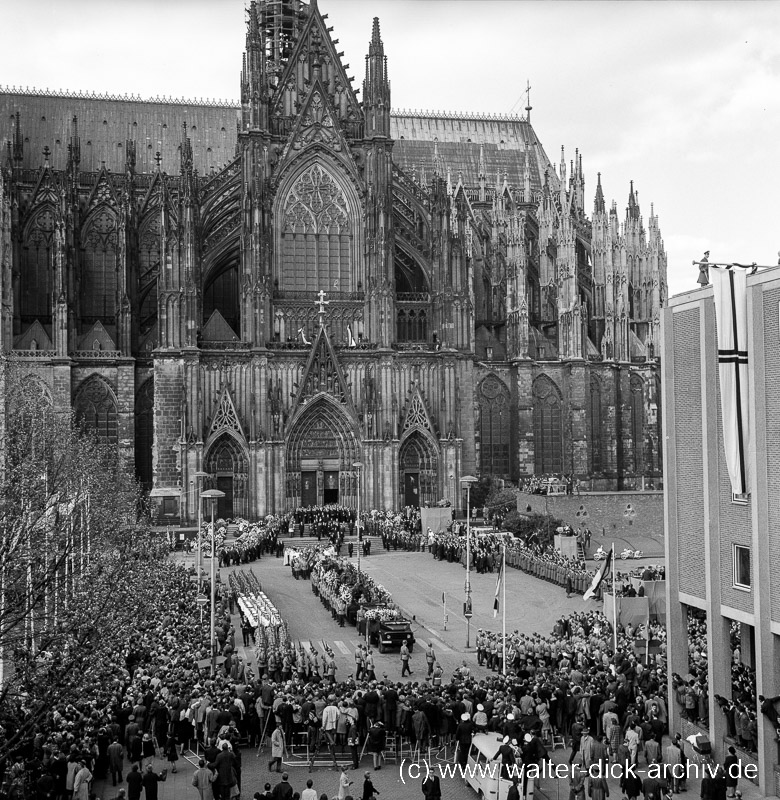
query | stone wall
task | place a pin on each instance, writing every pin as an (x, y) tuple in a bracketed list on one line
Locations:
[(630, 519)]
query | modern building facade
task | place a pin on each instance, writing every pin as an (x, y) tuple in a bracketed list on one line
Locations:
[(162, 263), (723, 550)]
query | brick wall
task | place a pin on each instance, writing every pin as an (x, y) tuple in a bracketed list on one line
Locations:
[(771, 303), (607, 510), (690, 468)]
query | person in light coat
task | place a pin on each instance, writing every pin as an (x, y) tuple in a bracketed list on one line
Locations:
[(202, 779), (82, 783), (278, 748)]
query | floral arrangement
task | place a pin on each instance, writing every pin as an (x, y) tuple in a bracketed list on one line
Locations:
[(383, 614)]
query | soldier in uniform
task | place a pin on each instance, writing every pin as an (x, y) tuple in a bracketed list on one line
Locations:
[(405, 660), (369, 666), (359, 659), (480, 647), (430, 657)]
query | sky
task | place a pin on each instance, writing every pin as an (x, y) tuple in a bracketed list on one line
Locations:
[(683, 98)]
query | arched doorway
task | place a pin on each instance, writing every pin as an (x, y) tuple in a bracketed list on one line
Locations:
[(227, 463), (321, 449), (418, 465)]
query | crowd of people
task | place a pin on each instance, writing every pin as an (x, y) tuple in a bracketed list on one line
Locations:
[(551, 483), (155, 696), (692, 690)]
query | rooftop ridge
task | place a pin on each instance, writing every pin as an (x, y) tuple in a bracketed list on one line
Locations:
[(406, 112), (127, 98), (228, 103)]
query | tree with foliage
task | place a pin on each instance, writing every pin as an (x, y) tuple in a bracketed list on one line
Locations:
[(533, 528), (67, 514)]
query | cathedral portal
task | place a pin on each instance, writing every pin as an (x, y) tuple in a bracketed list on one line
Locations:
[(227, 464), (321, 450)]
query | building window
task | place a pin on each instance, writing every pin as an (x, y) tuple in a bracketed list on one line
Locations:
[(494, 427), (317, 238), (548, 427), (741, 567), (100, 262)]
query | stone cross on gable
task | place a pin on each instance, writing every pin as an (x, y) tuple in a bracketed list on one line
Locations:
[(321, 302)]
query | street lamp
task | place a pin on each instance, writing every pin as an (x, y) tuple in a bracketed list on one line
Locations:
[(213, 495), (467, 480), (200, 475), (358, 466)]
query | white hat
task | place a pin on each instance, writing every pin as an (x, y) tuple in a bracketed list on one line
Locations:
[(480, 707), (465, 716), (510, 716), (527, 737)]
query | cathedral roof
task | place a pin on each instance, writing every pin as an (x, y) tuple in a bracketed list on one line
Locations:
[(504, 141), (106, 122)]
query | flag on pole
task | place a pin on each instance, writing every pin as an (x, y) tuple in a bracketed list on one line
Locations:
[(599, 576), (730, 288), (498, 589)]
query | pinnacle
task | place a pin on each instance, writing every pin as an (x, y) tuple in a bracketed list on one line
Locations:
[(375, 37)]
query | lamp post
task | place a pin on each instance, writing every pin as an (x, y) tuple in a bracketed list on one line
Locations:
[(467, 480), (358, 465), (200, 475), (213, 495)]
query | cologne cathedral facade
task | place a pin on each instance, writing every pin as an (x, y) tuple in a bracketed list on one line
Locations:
[(310, 295)]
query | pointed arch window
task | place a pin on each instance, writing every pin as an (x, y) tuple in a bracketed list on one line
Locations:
[(36, 273), (494, 427), (637, 386), (548, 427), (148, 270), (100, 262), (316, 236), (95, 408), (594, 409)]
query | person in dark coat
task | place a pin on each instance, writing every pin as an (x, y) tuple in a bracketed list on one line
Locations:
[(172, 752), (115, 761), (732, 769), (369, 790), (463, 734), (150, 780), (225, 767), (431, 787), (377, 738), (134, 783), (282, 790)]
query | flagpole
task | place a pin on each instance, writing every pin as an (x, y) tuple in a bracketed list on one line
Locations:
[(614, 605), (503, 608)]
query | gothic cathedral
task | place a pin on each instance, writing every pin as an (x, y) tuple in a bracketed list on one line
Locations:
[(277, 298)]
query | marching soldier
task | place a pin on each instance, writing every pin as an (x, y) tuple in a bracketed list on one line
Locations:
[(359, 662), (405, 660)]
